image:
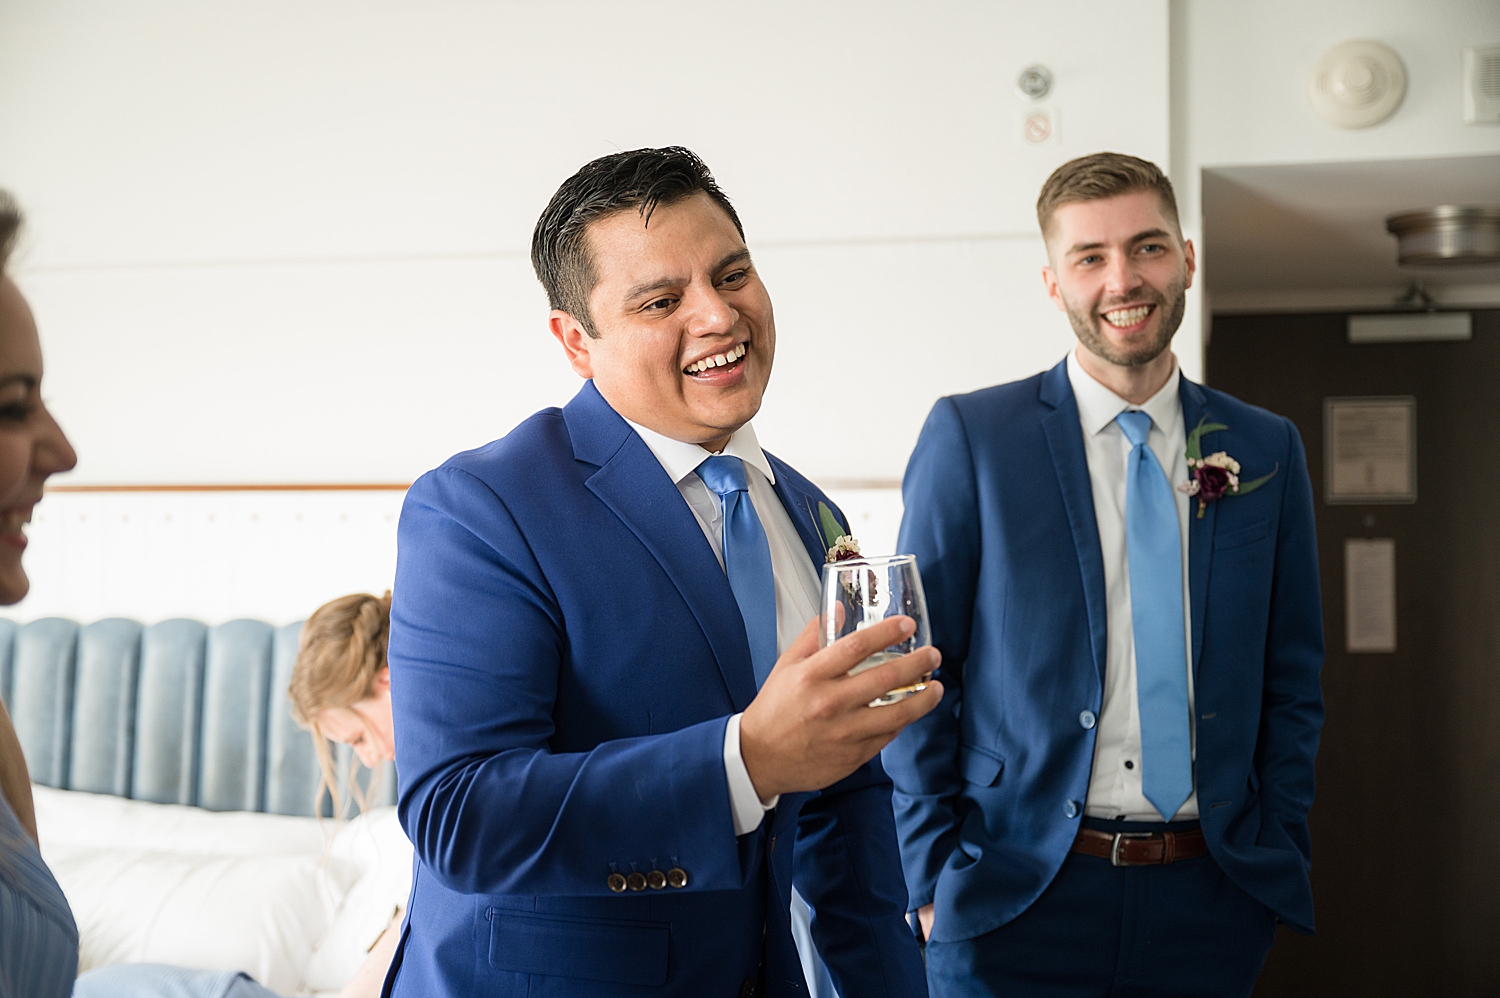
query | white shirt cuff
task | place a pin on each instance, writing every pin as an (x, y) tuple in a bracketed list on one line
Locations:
[(744, 803)]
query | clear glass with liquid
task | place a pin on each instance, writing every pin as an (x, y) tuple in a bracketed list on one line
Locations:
[(869, 590)]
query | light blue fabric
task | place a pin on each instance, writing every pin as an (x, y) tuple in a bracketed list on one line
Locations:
[(109, 665), (176, 713), (169, 712), (41, 697), (747, 560), (38, 938), (155, 980), (292, 775), (236, 683), (1153, 553), (7, 652)]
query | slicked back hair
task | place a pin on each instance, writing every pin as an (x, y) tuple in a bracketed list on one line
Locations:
[(10, 227), (641, 179), (1103, 175)]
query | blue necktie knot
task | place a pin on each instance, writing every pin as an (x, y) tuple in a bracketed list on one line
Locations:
[(1137, 426), (723, 474)]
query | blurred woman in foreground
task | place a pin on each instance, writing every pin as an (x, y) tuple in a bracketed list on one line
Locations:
[(38, 938)]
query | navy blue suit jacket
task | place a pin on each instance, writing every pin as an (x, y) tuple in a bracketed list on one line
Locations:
[(990, 785), (565, 652)]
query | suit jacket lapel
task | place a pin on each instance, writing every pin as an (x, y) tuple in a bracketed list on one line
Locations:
[(800, 498), (1065, 440), (631, 482), (1200, 531)]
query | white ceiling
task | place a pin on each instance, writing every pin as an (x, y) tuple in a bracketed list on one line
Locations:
[(1280, 233)]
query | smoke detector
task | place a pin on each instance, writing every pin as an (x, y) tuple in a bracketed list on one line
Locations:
[(1357, 84), (1447, 234)]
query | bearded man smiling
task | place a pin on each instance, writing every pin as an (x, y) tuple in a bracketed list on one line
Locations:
[(1112, 798)]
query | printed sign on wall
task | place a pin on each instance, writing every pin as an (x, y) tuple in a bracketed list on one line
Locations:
[(1370, 449), (1370, 594)]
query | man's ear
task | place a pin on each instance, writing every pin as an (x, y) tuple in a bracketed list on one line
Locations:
[(1050, 280), (1190, 256), (382, 680), (575, 341)]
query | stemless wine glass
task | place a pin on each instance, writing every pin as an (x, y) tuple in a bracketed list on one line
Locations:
[(870, 590)]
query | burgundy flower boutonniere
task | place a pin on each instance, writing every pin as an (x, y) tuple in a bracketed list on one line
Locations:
[(1218, 474)]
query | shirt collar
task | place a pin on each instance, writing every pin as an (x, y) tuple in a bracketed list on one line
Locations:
[(1098, 406), (680, 459)]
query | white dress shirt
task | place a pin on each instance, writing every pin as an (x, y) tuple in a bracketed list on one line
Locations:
[(1115, 785), (798, 587)]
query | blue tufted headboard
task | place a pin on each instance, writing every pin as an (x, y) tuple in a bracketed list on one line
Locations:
[(176, 713)]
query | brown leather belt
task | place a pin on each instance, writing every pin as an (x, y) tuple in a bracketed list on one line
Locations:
[(1141, 848)]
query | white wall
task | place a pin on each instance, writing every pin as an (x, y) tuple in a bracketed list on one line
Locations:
[(287, 241)]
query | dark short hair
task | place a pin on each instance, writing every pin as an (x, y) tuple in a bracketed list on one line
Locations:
[(641, 179), (1103, 175), (10, 227)]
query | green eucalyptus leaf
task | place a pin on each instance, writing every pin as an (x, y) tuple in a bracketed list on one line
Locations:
[(830, 525), (1195, 438), (1251, 486)]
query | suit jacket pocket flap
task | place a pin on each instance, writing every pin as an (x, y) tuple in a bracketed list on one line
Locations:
[(1257, 531), (614, 952), (978, 766)]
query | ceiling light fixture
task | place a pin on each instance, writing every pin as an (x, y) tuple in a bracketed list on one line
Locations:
[(1446, 235)]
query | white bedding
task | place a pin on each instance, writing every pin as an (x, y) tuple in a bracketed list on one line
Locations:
[(288, 900)]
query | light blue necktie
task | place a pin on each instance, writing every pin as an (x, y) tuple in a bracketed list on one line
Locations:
[(747, 560), (1153, 554)]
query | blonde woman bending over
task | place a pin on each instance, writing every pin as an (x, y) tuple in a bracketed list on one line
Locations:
[(341, 690)]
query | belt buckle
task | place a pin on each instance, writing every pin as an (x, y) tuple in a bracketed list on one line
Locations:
[(1120, 837)]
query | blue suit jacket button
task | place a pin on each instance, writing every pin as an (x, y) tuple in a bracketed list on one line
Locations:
[(1087, 719), (1071, 809)]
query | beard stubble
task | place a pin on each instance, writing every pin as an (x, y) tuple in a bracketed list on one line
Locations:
[(1171, 306)]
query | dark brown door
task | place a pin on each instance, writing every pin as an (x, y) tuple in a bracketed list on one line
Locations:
[(1406, 826)]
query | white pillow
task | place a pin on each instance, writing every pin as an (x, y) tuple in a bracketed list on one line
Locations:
[(376, 845), (260, 914), (75, 818), (164, 883)]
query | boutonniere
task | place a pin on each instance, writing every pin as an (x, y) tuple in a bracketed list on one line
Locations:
[(1217, 475), (838, 545)]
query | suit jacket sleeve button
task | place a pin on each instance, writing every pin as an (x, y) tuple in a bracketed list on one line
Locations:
[(617, 883), (677, 877), (656, 880), (636, 881)]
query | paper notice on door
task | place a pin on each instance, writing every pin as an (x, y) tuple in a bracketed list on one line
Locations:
[(1370, 594), (1370, 449)]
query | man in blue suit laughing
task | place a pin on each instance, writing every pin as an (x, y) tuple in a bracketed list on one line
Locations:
[(1122, 575), (619, 744)]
